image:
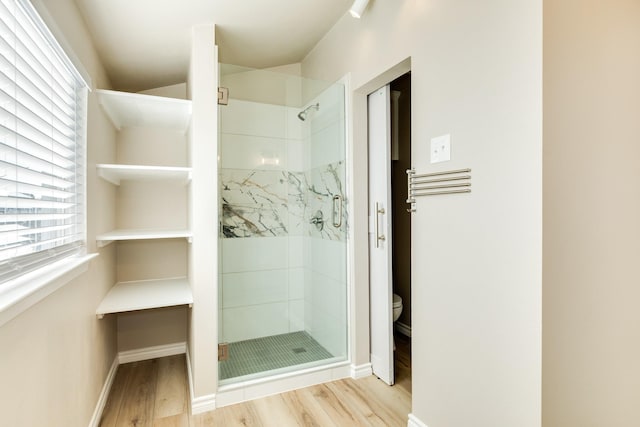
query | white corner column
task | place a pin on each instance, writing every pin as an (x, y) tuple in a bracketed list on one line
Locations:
[(203, 217)]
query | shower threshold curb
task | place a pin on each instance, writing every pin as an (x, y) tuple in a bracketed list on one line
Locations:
[(229, 394)]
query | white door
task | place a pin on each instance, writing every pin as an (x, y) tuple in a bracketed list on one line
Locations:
[(380, 272)]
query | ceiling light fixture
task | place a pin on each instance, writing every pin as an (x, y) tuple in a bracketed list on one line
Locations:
[(358, 7)]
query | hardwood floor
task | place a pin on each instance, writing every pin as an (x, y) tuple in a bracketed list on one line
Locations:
[(154, 393), (149, 393), (403, 362)]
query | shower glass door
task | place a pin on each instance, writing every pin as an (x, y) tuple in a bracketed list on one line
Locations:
[(283, 284)]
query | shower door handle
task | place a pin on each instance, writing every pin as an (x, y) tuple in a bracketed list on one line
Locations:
[(378, 237), (337, 211)]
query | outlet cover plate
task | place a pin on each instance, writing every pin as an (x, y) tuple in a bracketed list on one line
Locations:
[(441, 149)]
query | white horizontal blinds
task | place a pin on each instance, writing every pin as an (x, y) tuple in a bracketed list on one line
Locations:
[(42, 132)]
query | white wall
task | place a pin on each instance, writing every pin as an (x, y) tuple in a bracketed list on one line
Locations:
[(150, 328), (178, 91), (203, 216), (591, 320), (476, 284), (55, 356), (278, 86)]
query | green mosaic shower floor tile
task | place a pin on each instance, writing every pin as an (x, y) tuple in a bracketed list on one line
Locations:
[(268, 353)]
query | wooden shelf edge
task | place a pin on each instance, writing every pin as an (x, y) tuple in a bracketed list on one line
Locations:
[(115, 173), (146, 295), (117, 235)]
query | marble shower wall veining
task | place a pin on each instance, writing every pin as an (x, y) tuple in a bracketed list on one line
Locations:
[(254, 203), (325, 183), (297, 203), (261, 203)]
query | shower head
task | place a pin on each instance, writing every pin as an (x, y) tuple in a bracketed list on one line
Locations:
[(302, 115)]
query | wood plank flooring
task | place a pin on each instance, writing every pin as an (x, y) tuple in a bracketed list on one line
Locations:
[(155, 393)]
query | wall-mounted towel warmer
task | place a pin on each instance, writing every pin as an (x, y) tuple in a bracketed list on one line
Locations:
[(436, 184)]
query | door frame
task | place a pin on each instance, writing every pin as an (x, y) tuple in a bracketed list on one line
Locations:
[(381, 236), (359, 207)]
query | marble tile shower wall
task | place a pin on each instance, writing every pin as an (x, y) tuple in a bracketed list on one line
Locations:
[(272, 203), (271, 187)]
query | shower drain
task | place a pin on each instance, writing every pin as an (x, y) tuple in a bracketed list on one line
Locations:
[(299, 350)]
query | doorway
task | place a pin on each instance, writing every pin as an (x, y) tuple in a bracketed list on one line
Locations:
[(401, 223), (389, 127)]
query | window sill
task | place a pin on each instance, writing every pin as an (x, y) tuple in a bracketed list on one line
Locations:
[(19, 294)]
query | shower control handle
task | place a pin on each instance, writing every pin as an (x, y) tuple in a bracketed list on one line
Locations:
[(337, 211), (378, 237)]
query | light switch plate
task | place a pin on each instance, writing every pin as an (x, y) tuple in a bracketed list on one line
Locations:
[(441, 149)]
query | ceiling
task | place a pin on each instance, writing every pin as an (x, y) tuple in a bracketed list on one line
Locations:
[(145, 43)]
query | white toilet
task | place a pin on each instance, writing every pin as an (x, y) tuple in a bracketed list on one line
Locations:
[(397, 310), (397, 306)]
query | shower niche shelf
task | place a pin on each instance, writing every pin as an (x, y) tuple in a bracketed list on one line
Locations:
[(146, 294)]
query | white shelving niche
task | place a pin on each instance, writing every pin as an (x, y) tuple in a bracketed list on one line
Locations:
[(152, 177)]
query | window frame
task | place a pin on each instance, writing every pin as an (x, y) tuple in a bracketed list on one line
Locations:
[(27, 288)]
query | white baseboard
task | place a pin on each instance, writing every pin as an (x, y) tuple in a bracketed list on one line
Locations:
[(415, 422), (203, 404), (280, 383), (403, 329), (361, 371), (152, 352), (198, 404), (189, 375), (104, 394)]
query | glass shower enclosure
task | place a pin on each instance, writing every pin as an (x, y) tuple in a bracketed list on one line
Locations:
[(283, 224)]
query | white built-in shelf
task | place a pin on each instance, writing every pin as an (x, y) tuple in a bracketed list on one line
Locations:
[(146, 294), (137, 110), (117, 173), (112, 236)]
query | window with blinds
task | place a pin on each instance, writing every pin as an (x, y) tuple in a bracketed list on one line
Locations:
[(42, 145)]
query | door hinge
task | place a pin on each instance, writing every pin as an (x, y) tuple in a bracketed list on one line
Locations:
[(223, 351), (223, 95)]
